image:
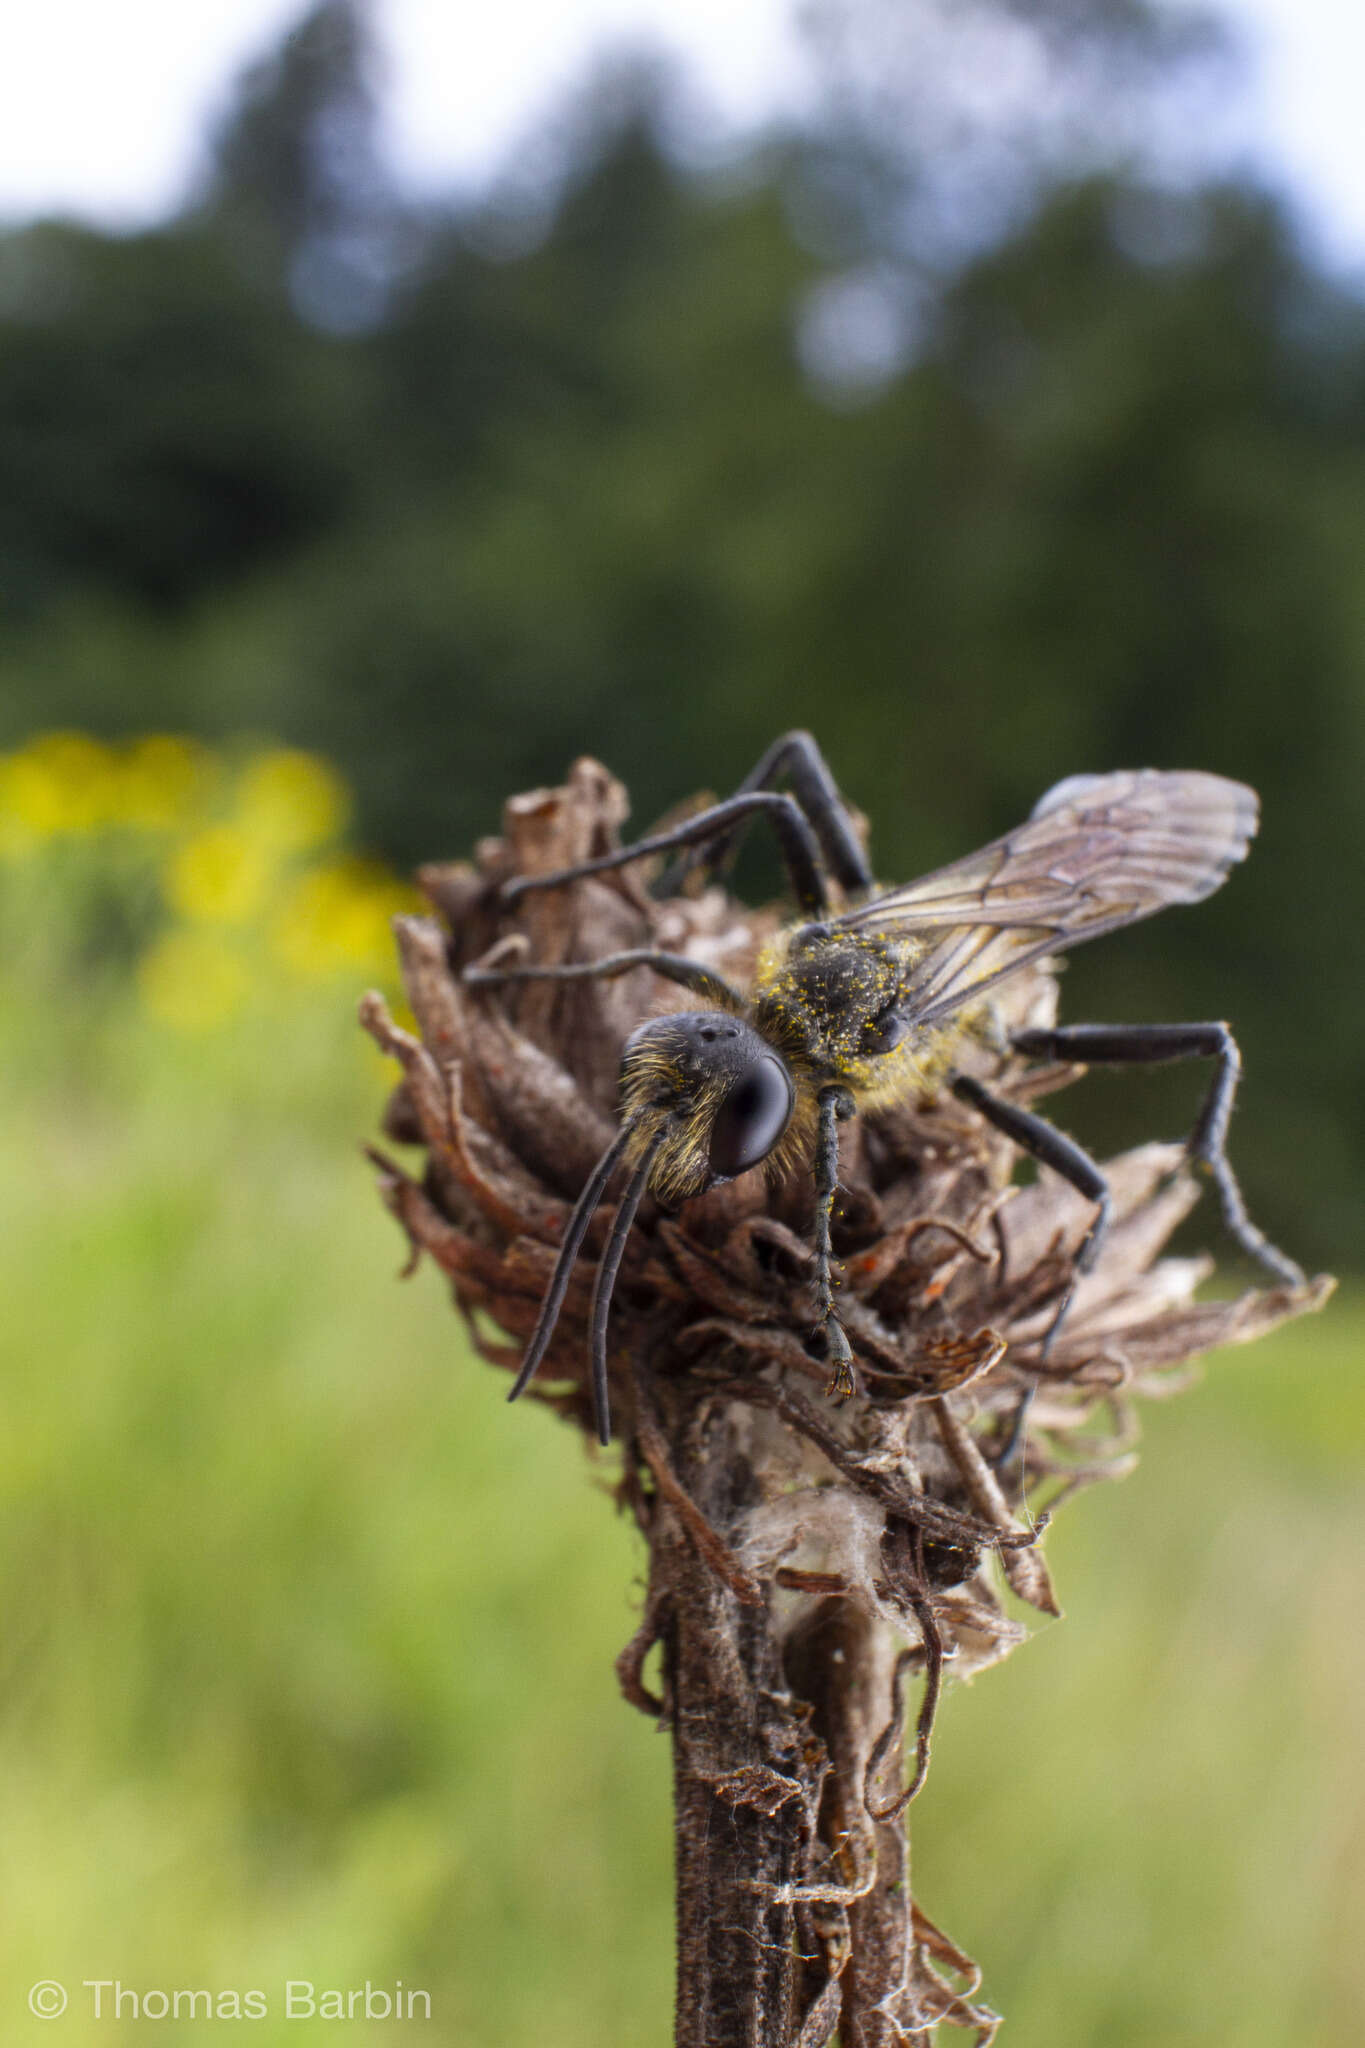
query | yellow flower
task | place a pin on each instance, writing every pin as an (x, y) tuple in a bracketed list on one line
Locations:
[(337, 915), (18, 833), (159, 777), (59, 782), (220, 876), (292, 800), (191, 981)]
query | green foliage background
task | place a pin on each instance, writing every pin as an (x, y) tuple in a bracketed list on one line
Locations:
[(308, 1653)]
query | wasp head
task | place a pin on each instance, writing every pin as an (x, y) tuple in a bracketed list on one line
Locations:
[(706, 1095)]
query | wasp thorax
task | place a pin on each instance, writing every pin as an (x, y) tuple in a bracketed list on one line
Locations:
[(711, 1090)]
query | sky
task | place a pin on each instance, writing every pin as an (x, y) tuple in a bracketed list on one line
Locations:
[(101, 105)]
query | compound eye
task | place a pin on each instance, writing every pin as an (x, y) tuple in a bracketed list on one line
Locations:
[(752, 1118)]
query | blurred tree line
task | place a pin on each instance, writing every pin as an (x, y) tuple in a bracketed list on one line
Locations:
[(965, 438)]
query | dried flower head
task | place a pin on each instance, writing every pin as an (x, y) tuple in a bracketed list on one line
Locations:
[(805, 1555)]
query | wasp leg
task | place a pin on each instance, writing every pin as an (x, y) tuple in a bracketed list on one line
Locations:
[(1140, 1044), (835, 1107), (672, 966), (1051, 1147), (815, 789), (1013, 1445), (796, 842)]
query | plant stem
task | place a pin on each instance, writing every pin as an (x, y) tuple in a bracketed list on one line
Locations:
[(742, 1817)]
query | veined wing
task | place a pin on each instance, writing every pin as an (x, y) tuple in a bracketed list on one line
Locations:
[(1098, 852)]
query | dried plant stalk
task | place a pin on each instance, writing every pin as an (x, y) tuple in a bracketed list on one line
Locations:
[(806, 1559)]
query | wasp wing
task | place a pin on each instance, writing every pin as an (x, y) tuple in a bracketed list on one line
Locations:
[(1098, 852)]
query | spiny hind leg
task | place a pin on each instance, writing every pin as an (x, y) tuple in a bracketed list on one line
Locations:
[(797, 757), (1051, 1147), (1147, 1044), (835, 1107)]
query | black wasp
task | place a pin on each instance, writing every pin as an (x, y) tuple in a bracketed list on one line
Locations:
[(860, 1009)]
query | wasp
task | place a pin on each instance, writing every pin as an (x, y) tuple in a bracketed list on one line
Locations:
[(855, 1009)]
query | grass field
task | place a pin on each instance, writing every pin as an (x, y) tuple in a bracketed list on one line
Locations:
[(308, 1638)]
